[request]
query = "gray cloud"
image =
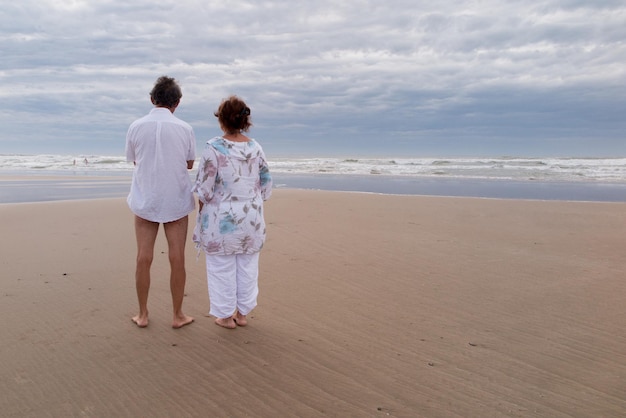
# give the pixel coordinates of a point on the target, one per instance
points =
(354, 77)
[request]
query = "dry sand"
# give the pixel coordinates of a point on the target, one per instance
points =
(370, 306)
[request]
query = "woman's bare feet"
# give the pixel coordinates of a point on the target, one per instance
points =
(240, 319)
(140, 320)
(226, 322)
(181, 321)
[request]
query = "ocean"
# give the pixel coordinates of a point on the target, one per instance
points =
(60, 177)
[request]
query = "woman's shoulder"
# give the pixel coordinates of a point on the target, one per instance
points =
(256, 146)
(221, 145)
(218, 143)
(215, 139)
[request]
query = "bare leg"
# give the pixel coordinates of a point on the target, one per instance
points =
(145, 232)
(176, 234)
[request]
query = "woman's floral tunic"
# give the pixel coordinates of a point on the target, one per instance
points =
(232, 182)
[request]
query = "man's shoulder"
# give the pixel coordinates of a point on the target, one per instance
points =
(182, 122)
(141, 119)
(169, 117)
(161, 117)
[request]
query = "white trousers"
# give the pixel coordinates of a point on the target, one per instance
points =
(233, 283)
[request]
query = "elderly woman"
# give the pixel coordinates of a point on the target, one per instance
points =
(232, 182)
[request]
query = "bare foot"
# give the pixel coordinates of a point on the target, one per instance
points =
(141, 321)
(226, 322)
(240, 319)
(181, 322)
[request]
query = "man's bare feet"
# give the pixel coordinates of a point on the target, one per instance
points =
(240, 319)
(140, 321)
(180, 322)
(226, 322)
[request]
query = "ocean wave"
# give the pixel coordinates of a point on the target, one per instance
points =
(504, 168)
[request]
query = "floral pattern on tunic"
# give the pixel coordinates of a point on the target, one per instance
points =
(232, 182)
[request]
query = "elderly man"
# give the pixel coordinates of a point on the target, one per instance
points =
(163, 148)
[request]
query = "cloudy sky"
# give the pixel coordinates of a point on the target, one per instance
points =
(346, 78)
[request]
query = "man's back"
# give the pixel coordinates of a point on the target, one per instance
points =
(160, 145)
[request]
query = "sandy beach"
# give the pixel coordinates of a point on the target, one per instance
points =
(370, 306)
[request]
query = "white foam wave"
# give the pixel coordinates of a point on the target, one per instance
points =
(505, 168)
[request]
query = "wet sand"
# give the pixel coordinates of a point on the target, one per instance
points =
(370, 305)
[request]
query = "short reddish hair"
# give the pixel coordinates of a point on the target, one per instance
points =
(234, 114)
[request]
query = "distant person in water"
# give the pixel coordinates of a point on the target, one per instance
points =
(232, 182)
(163, 148)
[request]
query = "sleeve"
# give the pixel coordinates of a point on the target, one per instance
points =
(191, 152)
(265, 177)
(204, 186)
(130, 148)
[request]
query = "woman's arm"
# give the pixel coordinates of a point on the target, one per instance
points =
(205, 178)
